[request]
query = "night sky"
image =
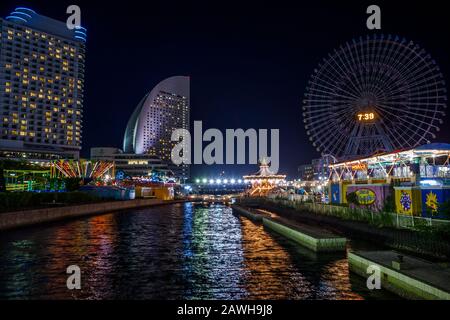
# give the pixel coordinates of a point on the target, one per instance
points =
(249, 62)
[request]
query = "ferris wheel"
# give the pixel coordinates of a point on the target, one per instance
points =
(378, 93)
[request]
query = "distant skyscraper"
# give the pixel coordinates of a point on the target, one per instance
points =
(160, 112)
(41, 86)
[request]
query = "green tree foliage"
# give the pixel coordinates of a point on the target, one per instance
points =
(28, 200)
(352, 198)
(72, 184)
(389, 204)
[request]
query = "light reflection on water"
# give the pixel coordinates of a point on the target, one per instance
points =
(179, 251)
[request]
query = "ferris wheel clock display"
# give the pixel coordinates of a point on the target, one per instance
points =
(378, 93)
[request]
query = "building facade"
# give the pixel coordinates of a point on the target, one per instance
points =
(130, 164)
(164, 109)
(306, 172)
(41, 87)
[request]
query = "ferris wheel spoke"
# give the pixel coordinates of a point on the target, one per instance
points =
(342, 72)
(348, 70)
(353, 65)
(322, 96)
(407, 115)
(393, 136)
(329, 126)
(408, 62)
(323, 126)
(423, 104)
(361, 53)
(407, 132)
(327, 140)
(420, 85)
(361, 62)
(334, 93)
(375, 53)
(321, 112)
(323, 103)
(415, 62)
(380, 61)
(425, 93)
(414, 79)
(328, 114)
(313, 112)
(399, 67)
(407, 111)
(341, 143)
(329, 82)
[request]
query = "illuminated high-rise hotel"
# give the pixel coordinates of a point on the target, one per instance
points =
(164, 109)
(41, 86)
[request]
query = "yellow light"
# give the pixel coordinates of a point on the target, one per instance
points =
(368, 116)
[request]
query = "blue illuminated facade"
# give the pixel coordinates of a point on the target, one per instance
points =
(30, 18)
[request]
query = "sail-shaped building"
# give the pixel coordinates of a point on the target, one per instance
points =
(164, 109)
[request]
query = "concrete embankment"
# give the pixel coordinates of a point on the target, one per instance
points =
(10, 220)
(417, 243)
(248, 213)
(412, 278)
(313, 238)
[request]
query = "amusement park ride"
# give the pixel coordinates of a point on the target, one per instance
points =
(264, 181)
(82, 168)
(375, 93)
(374, 104)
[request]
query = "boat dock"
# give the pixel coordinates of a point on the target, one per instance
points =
(252, 214)
(406, 276)
(313, 238)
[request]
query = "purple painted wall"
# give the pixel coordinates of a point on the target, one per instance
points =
(375, 195)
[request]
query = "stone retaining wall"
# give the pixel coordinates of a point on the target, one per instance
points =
(17, 219)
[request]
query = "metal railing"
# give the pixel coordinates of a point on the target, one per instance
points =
(382, 218)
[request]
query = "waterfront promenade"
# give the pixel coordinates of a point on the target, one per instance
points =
(412, 278)
(10, 220)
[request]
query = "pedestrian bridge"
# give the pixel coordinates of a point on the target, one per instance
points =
(212, 199)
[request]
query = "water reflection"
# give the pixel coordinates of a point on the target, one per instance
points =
(181, 251)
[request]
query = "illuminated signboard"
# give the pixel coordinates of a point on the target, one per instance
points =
(366, 196)
(367, 116)
(139, 162)
(359, 167)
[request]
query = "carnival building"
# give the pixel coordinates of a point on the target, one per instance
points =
(416, 180)
(264, 181)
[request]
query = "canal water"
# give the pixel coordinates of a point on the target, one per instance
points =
(180, 251)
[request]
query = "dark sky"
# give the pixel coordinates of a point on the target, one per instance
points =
(249, 62)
